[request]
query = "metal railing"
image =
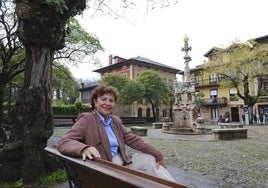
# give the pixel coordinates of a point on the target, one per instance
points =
(208, 82)
(219, 101)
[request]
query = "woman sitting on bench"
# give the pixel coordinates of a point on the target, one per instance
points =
(99, 134)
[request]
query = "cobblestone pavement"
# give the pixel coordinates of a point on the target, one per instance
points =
(234, 163)
(200, 161)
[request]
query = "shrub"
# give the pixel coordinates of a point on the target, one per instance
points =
(56, 177)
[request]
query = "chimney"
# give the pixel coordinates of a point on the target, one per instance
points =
(110, 59)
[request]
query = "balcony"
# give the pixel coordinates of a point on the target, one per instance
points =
(263, 99)
(220, 101)
(207, 83)
(264, 96)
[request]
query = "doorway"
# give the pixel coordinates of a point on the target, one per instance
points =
(234, 114)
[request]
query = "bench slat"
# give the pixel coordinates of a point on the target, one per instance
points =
(102, 174)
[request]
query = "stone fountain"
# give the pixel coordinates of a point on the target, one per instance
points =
(186, 119)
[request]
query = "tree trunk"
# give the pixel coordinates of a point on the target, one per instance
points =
(42, 31)
(37, 110)
(1, 108)
(33, 112)
(31, 121)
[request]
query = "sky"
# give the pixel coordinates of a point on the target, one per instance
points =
(158, 35)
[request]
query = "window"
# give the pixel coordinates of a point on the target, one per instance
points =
(197, 94)
(213, 96)
(148, 111)
(221, 77)
(196, 77)
(214, 113)
(213, 78)
(85, 97)
(233, 94)
(265, 84)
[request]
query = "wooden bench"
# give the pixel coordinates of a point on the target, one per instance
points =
(64, 120)
(140, 131)
(133, 120)
(230, 133)
(102, 174)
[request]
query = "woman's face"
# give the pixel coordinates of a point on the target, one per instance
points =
(105, 104)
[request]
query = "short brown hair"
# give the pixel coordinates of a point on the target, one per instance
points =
(102, 90)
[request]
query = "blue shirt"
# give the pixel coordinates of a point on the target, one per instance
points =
(112, 138)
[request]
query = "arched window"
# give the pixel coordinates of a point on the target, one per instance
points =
(140, 112)
(148, 112)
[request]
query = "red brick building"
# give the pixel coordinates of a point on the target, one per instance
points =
(131, 68)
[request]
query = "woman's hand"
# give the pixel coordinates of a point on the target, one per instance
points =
(91, 153)
(162, 163)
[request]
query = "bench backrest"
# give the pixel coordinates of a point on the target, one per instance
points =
(102, 174)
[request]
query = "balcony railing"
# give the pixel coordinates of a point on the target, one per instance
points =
(263, 99)
(220, 101)
(208, 82)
